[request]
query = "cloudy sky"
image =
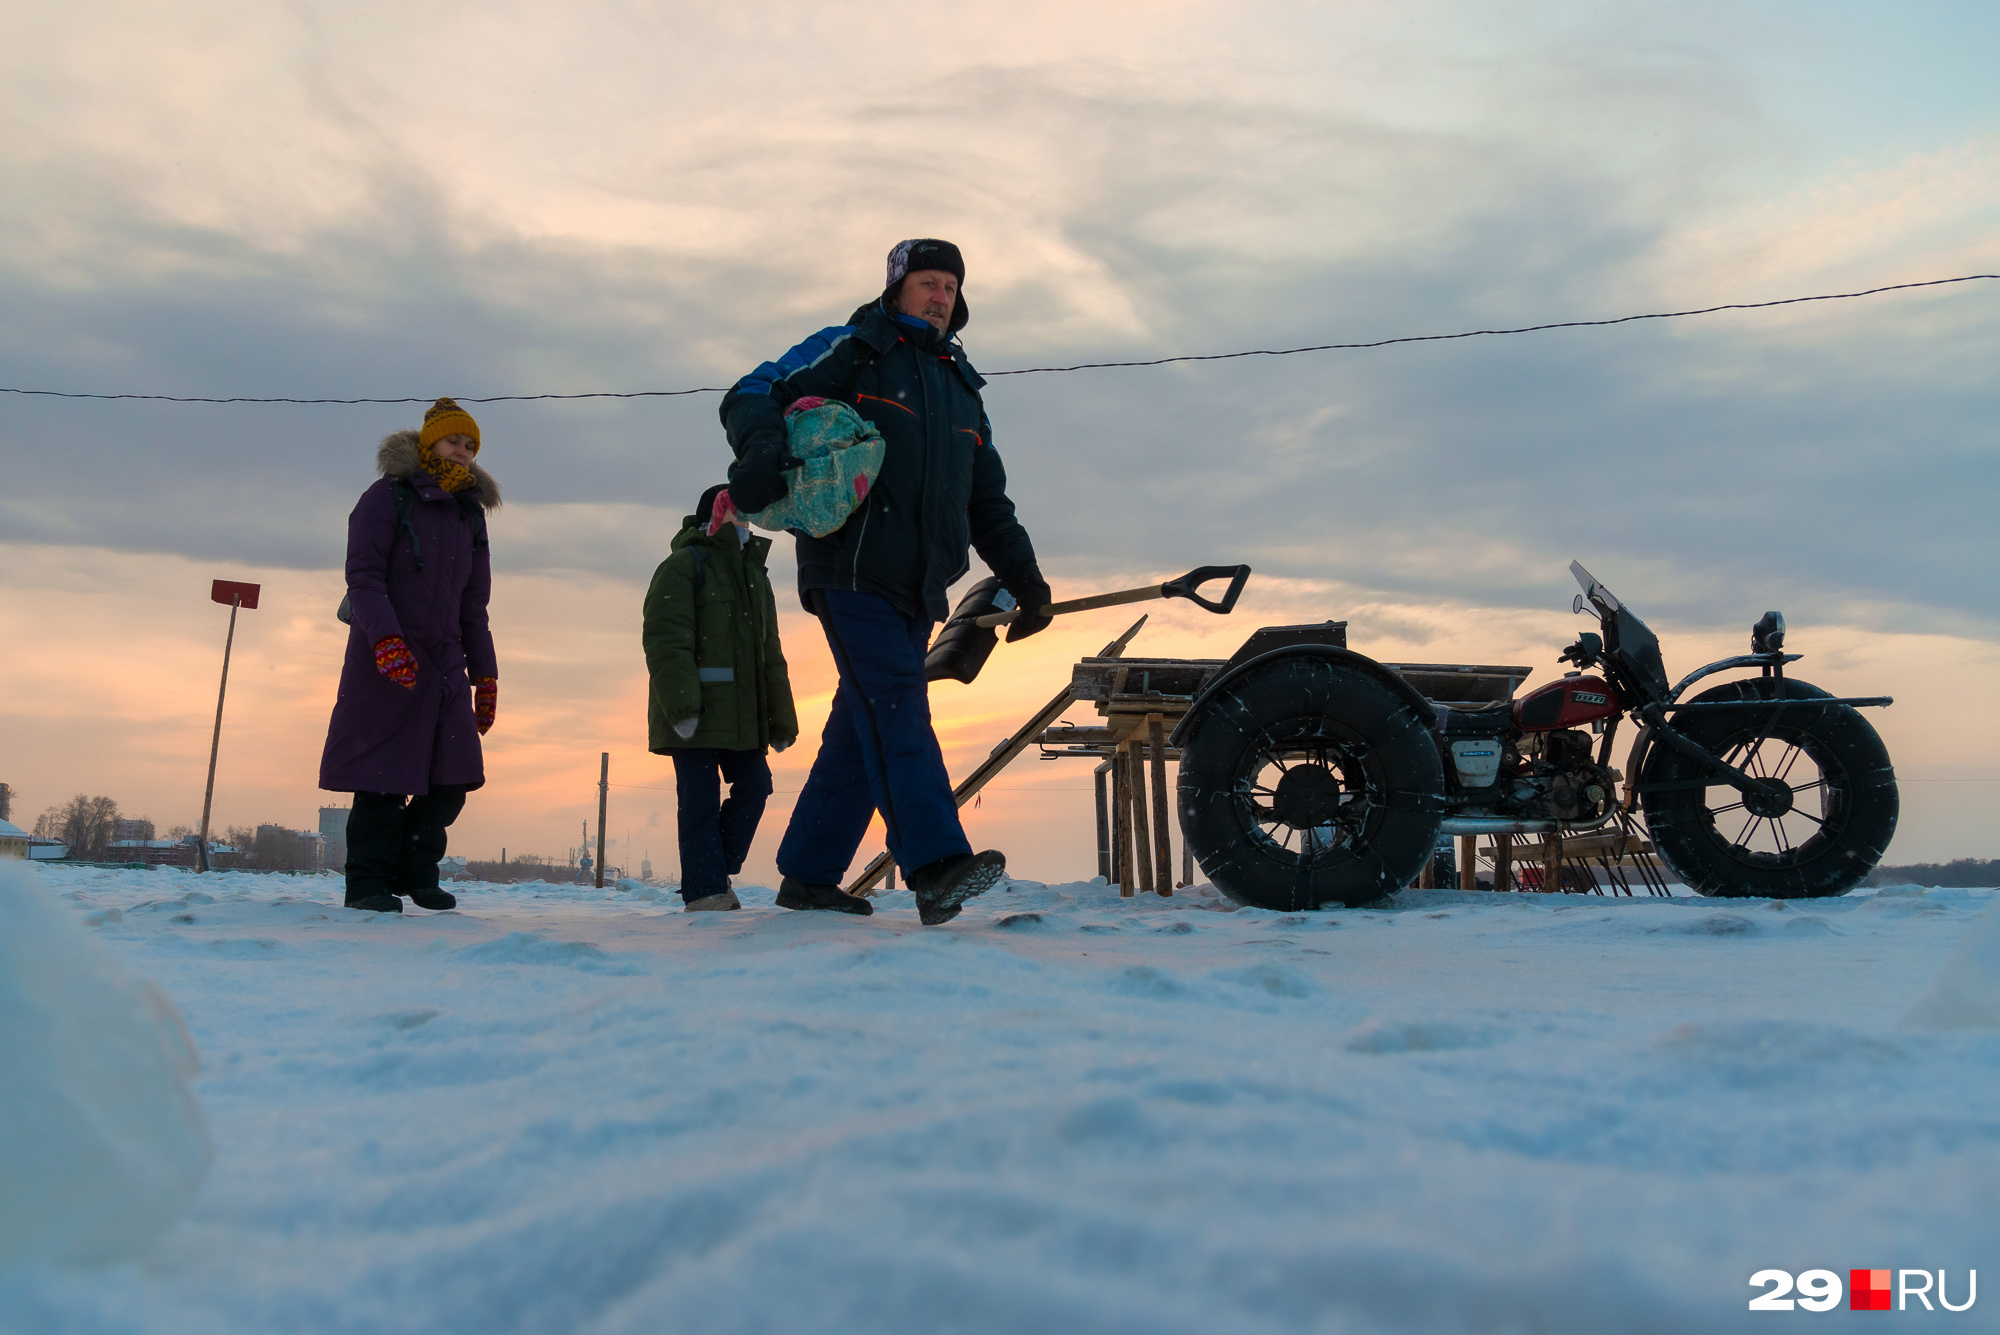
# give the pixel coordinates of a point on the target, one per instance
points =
(408, 199)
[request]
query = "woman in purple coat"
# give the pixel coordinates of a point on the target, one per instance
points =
(419, 686)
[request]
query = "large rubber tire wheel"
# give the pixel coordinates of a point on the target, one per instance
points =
(1820, 840)
(1307, 782)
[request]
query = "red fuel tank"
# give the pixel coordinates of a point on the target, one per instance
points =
(1567, 703)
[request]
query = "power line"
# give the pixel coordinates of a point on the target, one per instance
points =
(1079, 366)
(1484, 333)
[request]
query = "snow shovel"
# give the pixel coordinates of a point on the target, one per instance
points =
(1184, 587)
(966, 640)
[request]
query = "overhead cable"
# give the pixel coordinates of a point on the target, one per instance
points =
(1079, 366)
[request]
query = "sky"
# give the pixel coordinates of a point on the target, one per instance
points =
(376, 200)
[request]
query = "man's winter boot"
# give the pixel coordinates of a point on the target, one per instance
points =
(943, 887)
(797, 894)
(439, 900)
(379, 902)
(709, 903)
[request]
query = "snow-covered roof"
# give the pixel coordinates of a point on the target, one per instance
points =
(8, 830)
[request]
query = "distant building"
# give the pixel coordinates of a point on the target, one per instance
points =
(123, 830)
(13, 840)
(152, 852)
(333, 829)
(47, 850)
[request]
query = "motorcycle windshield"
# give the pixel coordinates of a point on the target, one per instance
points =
(1626, 638)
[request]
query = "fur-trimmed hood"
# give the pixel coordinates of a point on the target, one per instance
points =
(397, 458)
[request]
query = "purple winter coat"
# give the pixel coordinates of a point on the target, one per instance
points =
(384, 738)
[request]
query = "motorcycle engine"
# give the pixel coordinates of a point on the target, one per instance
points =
(1555, 777)
(1525, 776)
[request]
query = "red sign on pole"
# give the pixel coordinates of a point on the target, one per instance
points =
(228, 591)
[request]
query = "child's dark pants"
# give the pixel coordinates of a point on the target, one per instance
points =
(716, 834)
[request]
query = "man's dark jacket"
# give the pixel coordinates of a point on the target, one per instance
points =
(942, 486)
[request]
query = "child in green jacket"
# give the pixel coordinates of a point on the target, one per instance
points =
(719, 691)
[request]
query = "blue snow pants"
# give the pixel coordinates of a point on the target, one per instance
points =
(878, 752)
(715, 835)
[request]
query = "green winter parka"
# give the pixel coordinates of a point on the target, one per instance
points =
(711, 638)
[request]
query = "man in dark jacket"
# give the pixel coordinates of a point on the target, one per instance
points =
(878, 583)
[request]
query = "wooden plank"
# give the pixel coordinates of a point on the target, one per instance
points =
(1101, 678)
(1163, 851)
(1121, 794)
(1105, 820)
(1468, 862)
(1142, 842)
(1069, 735)
(1503, 862)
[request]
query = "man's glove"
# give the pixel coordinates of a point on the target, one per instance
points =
(757, 479)
(1032, 592)
(779, 746)
(394, 660)
(485, 700)
(685, 728)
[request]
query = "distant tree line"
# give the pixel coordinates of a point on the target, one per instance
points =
(85, 824)
(89, 825)
(1959, 872)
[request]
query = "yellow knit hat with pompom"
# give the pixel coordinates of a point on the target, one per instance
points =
(446, 418)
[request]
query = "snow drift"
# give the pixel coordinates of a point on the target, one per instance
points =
(102, 1144)
(1966, 994)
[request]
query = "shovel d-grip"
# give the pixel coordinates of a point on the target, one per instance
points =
(1184, 587)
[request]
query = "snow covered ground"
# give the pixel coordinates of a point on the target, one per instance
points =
(560, 1109)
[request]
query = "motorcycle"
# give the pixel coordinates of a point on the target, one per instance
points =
(1313, 774)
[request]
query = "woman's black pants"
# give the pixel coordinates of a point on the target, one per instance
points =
(394, 842)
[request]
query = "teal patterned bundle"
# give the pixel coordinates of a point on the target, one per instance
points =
(842, 455)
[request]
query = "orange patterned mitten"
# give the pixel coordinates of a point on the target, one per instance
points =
(394, 660)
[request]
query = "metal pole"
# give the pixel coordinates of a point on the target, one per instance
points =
(215, 743)
(603, 801)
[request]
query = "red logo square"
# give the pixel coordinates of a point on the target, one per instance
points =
(1868, 1291)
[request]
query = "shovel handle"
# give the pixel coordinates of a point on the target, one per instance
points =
(1097, 600)
(1184, 587)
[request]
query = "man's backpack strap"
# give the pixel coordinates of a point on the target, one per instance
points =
(700, 555)
(863, 359)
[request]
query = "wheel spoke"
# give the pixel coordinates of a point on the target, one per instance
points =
(1744, 833)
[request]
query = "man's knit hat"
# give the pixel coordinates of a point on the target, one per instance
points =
(446, 418)
(924, 253)
(915, 256)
